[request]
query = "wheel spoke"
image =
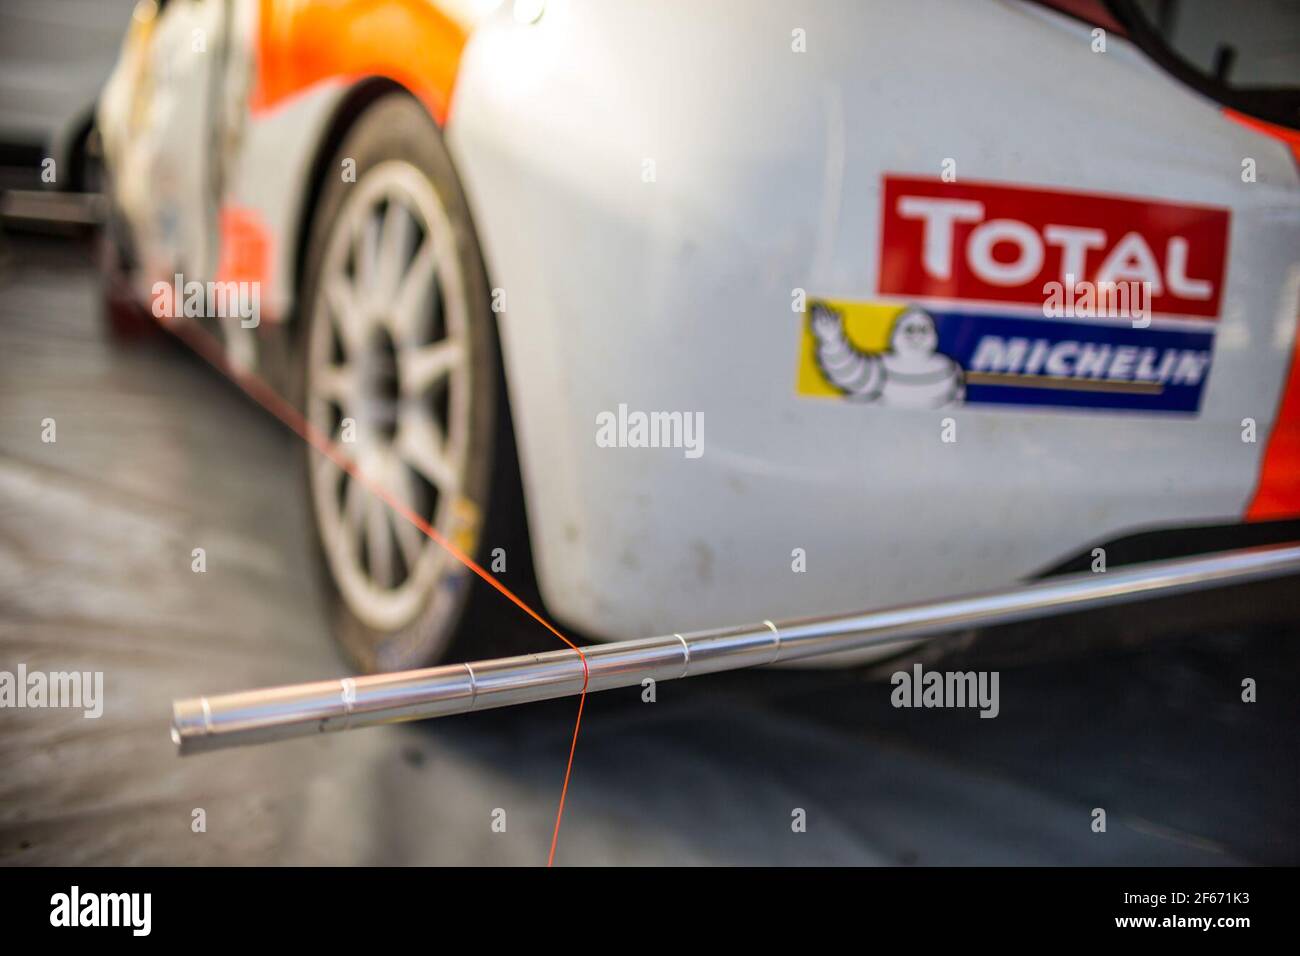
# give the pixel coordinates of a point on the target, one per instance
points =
(349, 318)
(367, 258)
(409, 538)
(421, 445)
(420, 368)
(379, 542)
(336, 383)
(410, 307)
(394, 247)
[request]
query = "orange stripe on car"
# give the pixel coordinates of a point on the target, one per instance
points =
(1287, 135)
(1278, 493)
(411, 42)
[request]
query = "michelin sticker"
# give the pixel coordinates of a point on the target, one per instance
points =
(974, 275)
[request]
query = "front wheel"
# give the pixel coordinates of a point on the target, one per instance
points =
(400, 371)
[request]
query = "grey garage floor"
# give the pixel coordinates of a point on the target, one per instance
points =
(155, 455)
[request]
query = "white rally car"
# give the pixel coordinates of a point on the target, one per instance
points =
(788, 307)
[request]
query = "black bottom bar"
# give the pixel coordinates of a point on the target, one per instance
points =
(376, 908)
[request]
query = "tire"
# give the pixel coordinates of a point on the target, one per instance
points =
(397, 338)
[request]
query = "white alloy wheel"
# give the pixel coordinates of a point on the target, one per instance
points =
(388, 378)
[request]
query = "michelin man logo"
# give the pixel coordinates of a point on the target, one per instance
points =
(912, 373)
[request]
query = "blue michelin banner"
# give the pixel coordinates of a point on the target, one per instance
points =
(1032, 361)
(909, 356)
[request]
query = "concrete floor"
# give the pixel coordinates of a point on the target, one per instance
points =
(156, 455)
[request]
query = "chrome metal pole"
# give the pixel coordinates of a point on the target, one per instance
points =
(207, 723)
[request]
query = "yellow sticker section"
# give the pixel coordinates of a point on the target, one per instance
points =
(466, 519)
(867, 325)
